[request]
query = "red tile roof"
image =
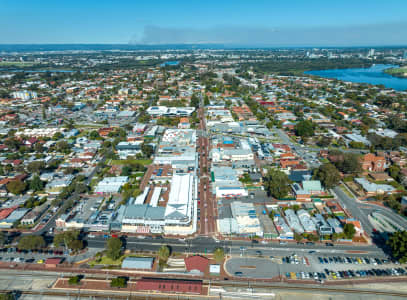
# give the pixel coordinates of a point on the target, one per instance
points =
(196, 262)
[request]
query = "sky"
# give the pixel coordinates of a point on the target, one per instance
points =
(238, 22)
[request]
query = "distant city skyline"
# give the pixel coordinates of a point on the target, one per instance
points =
(243, 23)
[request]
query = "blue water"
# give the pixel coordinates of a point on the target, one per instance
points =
(372, 75)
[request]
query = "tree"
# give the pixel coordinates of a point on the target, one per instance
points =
(36, 166)
(3, 238)
(312, 238)
(68, 239)
(57, 136)
(329, 175)
(348, 162)
(38, 148)
(147, 150)
(36, 184)
(298, 237)
(81, 188)
(119, 282)
(7, 296)
(74, 280)
(304, 128)
(164, 253)
(63, 146)
(16, 187)
(206, 100)
(394, 171)
(126, 171)
(398, 245)
(277, 183)
(113, 248)
(94, 135)
(76, 245)
(349, 230)
(30, 242)
(219, 254)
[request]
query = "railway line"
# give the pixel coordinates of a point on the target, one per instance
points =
(78, 293)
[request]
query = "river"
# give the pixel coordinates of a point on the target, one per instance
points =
(373, 75)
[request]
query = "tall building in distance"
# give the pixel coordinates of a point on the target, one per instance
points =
(405, 54)
(371, 53)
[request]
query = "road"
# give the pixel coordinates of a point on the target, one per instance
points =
(353, 207)
(207, 203)
(207, 245)
(362, 210)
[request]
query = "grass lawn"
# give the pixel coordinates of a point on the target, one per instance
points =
(95, 125)
(107, 261)
(131, 161)
(110, 262)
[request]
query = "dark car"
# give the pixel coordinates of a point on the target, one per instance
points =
(238, 274)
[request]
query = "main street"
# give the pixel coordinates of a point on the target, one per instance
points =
(207, 203)
(207, 245)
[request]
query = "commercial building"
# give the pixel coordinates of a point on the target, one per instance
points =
(159, 111)
(111, 185)
(126, 149)
(177, 218)
(181, 207)
(246, 218)
(306, 221)
(293, 221)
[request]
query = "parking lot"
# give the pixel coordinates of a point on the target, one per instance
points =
(24, 256)
(313, 267)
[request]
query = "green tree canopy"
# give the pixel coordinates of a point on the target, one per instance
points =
(277, 183)
(113, 248)
(398, 245)
(16, 187)
(328, 174)
(67, 239)
(30, 242)
(349, 230)
(119, 282)
(36, 166)
(304, 128)
(36, 184)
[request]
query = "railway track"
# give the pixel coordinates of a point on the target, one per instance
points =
(78, 294)
(318, 289)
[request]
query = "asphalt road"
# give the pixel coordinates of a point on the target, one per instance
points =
(207, 245)
(353, 207)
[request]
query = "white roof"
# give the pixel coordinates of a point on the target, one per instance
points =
(180, 198)
(142, 197)
(155, 197)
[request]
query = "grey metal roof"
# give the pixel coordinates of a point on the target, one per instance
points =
(155, 213)
(138, 263)
(135, 211)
